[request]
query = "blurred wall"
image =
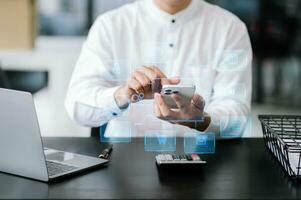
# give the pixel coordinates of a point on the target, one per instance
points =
(63, 26)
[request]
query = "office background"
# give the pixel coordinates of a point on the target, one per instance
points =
(62, 25)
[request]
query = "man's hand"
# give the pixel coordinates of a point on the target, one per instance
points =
(190, 113)
(142, 82)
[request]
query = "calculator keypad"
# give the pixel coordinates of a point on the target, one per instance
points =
(179, 159)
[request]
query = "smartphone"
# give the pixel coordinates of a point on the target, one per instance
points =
(186, 91)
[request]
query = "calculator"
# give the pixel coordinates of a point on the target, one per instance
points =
(173, 159)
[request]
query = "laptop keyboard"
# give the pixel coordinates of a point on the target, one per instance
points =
(55, 168)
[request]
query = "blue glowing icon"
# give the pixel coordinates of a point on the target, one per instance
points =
(233, 126)
(156, 52)
(233, 60)
(116, 68)
(239, 92)
(199, 143)
(117, 131)
(201, 139)
(160, 140)
(120, 69)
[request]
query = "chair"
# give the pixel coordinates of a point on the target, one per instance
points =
(4, 83)
(98, 132)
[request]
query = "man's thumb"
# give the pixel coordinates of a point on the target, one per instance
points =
(170, 81)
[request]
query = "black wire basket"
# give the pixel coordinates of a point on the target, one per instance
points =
(282, 136)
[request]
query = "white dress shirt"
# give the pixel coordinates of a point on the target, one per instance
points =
(203, 44)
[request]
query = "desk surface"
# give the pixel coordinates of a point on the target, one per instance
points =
(239, 169)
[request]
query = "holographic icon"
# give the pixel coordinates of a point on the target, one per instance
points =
(120, 69)
(156, 52)
(236, 92)
(116, 68)
(117, 131)
(233, 126)
(159, 141)
(162, 139)
(233, 60)
(200, 63)
(239, 92)
(152, 123)
(199, 143)
(201, 139)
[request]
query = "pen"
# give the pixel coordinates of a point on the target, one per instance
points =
(105, 154)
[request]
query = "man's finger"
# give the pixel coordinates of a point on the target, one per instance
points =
(166, 112)
(133, 96)
(135, 85)
(149, 72)
(157, 111)
(198, 101)
(181, 102)
(164, 79)
(170, 81)
(155, 75)
(156, 86)
(158, 72)
(143, 80)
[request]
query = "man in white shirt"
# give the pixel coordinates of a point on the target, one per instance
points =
(177, 41)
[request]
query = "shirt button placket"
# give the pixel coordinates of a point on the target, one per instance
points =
(171, 42)
(173, 21)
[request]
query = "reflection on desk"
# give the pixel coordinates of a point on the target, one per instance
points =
(241, 168)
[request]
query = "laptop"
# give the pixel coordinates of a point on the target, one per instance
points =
(21, 148)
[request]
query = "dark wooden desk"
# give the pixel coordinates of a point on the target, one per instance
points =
(239, 169)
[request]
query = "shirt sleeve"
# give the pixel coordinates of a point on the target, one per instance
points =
(90, 97)
(230, 103)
